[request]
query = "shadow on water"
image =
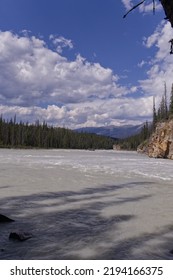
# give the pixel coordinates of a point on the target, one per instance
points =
(70, 225)
(162, 250)
(5, 187)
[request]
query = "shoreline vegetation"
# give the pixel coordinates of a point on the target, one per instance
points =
(162, 116)
(21, 135)
(41, 136)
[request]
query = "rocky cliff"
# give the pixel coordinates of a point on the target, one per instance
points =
(160, 144)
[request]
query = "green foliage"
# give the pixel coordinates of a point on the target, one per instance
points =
(132, 142)
(23, 135)
(163, 113)
(171, 104)
(154, 115)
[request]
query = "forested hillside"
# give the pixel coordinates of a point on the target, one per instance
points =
(132, 142)
(24, 135)
(161, 114)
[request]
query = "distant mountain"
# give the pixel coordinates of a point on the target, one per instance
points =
(113, 131)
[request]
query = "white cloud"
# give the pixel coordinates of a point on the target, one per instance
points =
(142, 63)
(61, 43)
(96, 113)
(39, 83)
(128, 4)
(133, 89)
(145, 8)
(33, 74)
(161, 66)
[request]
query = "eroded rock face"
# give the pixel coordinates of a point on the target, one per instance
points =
(116, 147)
(160, 145)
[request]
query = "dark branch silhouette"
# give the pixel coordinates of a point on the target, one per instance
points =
(171, 48)
(134, 7)
(168, 9)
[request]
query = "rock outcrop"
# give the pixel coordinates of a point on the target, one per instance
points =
(5, 219)
(160, 144)
(116, 147)
(21, 236)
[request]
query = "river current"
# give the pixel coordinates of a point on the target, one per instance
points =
(86, 205)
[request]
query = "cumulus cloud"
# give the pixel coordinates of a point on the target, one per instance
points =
(95, 113)
(33, 74)
(142, 63)
(37, 82)
(128, 4)
(145, 8)
(160, 39)
(61, 43)
(161, 66)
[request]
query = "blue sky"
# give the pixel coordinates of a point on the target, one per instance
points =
(78, 63)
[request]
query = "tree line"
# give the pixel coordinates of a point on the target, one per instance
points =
(25, 135)
(165, 109)
(37, 135)
(163, 113)
(132, 142)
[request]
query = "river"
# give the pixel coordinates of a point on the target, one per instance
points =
(86, 205)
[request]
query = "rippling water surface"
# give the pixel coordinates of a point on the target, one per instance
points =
(86, 205)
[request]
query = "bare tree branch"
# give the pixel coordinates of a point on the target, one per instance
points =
(134, 7)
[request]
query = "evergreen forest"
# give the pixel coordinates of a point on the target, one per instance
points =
(162, 114)
(24, 135)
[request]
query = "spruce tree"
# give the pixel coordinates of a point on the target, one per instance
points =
(162, 108)
(154, 114)
(171, 104)
(165, 100)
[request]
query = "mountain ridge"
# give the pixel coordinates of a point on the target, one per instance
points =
(112, 131)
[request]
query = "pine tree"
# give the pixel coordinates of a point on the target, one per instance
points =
(154, 114)
(165, 100)
(163, 110)
(171, 104)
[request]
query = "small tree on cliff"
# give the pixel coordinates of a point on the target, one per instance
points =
(171, 104)
(154, 115)
(163, 109)
(162, 113)
(165, 100)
